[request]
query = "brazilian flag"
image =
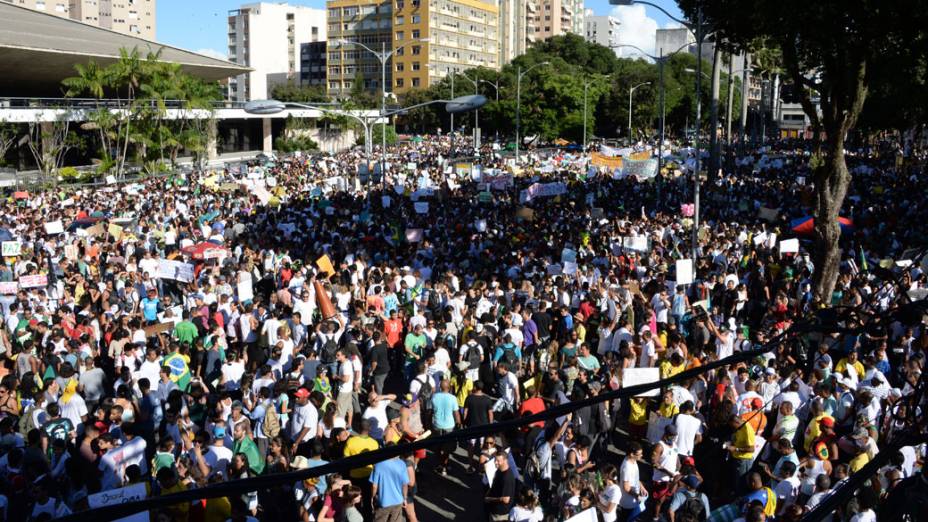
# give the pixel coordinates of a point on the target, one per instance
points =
(180, 371)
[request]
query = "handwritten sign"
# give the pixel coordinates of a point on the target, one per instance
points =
(634, 376)
(12, 248)
(542, 190)
(176, 270)
(325, 265)
(54, 227)
(121, 496)
(684, 271)
(789, 246)
(33, 281)
(8, 287)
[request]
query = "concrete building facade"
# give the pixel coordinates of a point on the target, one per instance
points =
(132, 17)
(602, 30)
(369, 22)
(312, 63)
(516, 31)
(267, 37)
(551, 18)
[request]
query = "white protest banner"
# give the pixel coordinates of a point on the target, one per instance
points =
(214, 253)
(789, 246)
(413, 235)
(121, 496)
(640, 169)
(760, 239)
(684, 271)
(422, 207)
(499, 180)
(568, 255)
(111, 180)
(263, 195)
(176, 270)
(570, 268)
(245, 290)
(8, 287)
(542, 190)
(554, 269)
(771, 240)
(71, 252)
(635, 243)
(481, 225)
(271, 181)
(587, 515)
(54, 227)
(12, 248)
(634, 376)
(33, 281)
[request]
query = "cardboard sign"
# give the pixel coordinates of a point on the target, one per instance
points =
(413, 235)
(121, 496)
(422, 207)
(54, 227)
(155, 329)
(115, 231)
(768, 214)
(789, 246)
(176, 270)
(33, 281)
(70, 252)
(245, 290)
(96, 230)
(8, 287)
(12, 248)
(634, 376)
(587, 515)
(684, 271)
(325, 265)
(526, 214)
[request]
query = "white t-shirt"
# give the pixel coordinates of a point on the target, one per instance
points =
(232, 372)
(218, 459)
(787, 490)
(377, 415)
(628, 473)
(612, 494)
(864, 516)
(520, 514)
(74, 409)
(687, 429)
(304, 416)
(509, 387)
(346, 368)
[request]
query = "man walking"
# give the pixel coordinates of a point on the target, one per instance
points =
(389, 487)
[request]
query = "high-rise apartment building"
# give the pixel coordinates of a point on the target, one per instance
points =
(551, 18)
(267, 37)
(462, 34)
(516, 28)
(369, 22)
(133, 17)
(602, 30)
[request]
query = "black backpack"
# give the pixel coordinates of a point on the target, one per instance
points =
(692, 509)
(328, 351)
(473, 356)
(509, 355)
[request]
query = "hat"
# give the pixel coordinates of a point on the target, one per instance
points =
(691, 481)
(302, 393)
(300, 462)
(69, 390)
(770, 371)
(825, 359)
(827, 422)
(757, 403)
(219, 432)
(596, 386)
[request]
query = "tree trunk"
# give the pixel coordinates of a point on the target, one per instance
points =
(831, 182)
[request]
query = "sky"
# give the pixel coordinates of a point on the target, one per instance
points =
(200, 25)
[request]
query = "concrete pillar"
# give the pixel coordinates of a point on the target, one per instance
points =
(268, 141)
(212, 140)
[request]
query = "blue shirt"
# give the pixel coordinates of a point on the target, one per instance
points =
(150, 309)
(501, 350)
(390, 476)
(443, 407)
(321, 485)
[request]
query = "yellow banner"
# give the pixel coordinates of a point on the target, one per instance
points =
(601, 160)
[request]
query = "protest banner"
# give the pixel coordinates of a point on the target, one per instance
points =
(71, 252)
(214, 253)
(640, 169)
(115, 231)
(525, 214)
(155, 329)
(8, 287)
(499, 181)
(684, 271)
(634, 376)
(12, 248)
(481, 225)
(601, 160)
(54, 227)
(325, 265)
(768, 214)
(33, 281)
(245, 290)
(687, 209)
(175, 270)
(542, 190)
(635, 243)
(463, 169)
(124, 495)
(587, 515)
(422, 207)
(96, 230)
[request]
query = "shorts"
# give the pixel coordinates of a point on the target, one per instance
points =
(343, 404)
(418, 454)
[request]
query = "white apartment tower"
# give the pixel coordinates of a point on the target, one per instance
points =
(602, 30)
(267, 38)
(132, 17)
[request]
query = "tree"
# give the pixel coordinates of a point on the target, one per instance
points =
(828, 49)
(49, 143)
(9, 134)
(291, 92)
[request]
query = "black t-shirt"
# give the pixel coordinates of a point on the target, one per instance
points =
(543, 322)
(504, 485)
(478, 409)
(379, 356)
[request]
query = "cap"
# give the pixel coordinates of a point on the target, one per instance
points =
(300, 462)
(691, 481)
(827, 422)
(302, 393)
(596, 385)
(757, 403)
(219, 432)
(770, 371)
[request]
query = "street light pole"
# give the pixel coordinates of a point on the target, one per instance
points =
(519, 74)
(586, 85)
(630, 92)
(383, 111)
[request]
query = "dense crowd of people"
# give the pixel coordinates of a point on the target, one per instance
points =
(167, 334)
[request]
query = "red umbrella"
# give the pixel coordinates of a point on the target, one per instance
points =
(205, 250)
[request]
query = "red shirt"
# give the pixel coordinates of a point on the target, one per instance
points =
(393, 329)
(531, 407)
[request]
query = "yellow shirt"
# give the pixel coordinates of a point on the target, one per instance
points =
(581, 332)
(218, 509)
(858, 367)
(357, 445)
(858, 462)
(462, 390)
(669, 370)
(743, 438)
(813, 430)
(639, 413)
(668, 410)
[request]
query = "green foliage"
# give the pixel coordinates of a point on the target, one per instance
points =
(294, 144)
(379, 131)
(292, 92)
(72, 175)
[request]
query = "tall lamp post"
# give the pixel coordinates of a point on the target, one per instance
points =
(661, 59)
(631, 91)
(384, 57)
(519, 74)
(696, 27)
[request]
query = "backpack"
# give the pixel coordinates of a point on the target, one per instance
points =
(425, 392)
(26, 422)
(328, 351)
(271, 425)
(534, 466)
(509, 355)
(692, 509)
(473, 356)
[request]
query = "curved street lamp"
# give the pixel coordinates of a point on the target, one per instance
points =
(519, 74)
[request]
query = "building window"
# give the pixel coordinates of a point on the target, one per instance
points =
(400, 35)
(415, 82)
(399, 4)
(415, 33)
(399, 82)
(416, 19)
(400, 67)
(416, 50)
(399, 20)
(416, 66)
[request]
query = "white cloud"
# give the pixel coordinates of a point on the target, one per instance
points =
(635, 28)
(212, 53)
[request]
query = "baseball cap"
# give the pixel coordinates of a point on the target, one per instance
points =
(219, 432)
(691, 481)
(827, 422)
(757, 403)
(302, 393)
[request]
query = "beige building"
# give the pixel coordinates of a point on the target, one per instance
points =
(548, 18)
(132, 17)
(516, 31)
(369, 22)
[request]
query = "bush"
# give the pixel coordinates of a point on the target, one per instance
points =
(72, 175)
(302, 144)
(375, 132)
